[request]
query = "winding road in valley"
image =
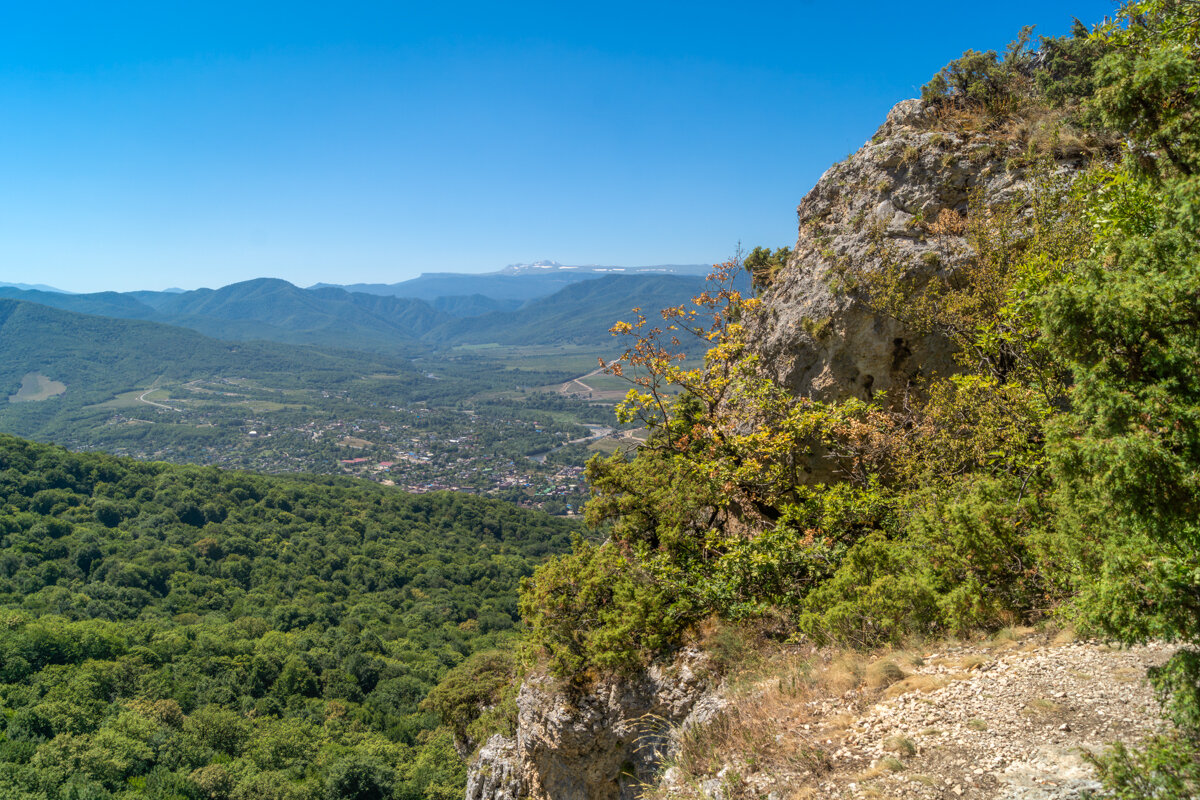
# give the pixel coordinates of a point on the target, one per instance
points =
(142, 398)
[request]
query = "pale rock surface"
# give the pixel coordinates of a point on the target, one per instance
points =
(881, 203)
(605, 743)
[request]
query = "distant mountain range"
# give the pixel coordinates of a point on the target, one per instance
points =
(551, 305)
(41, 287)
(580, 313)
(521, 282)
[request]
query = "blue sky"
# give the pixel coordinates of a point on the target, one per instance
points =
(147, 145)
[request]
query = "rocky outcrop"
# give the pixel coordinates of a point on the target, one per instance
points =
(604, 743)
(900, 199)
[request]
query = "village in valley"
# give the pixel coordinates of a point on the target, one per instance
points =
(528, 449)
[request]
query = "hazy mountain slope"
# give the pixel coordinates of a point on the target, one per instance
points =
(96, 356)
(35, 286)
(108, 304)
(276, 310)
(496, 285)
(473, 305)
(578, 314)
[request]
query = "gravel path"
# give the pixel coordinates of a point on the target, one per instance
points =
(1005, 725)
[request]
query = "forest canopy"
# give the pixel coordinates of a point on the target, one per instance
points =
(186, 632)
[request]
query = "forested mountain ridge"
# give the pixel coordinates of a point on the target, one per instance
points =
(578, 312)
(98, 355)
(184, 632)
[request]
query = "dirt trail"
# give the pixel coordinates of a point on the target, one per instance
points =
(1007, 721)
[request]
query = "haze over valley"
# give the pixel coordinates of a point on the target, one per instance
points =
(476, 383)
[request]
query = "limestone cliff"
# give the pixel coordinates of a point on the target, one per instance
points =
(604, 743)
(902, 197)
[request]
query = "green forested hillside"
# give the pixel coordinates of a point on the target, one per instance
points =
(100, 357)
(108, 304)
(183, 632)
(96, 356)
(581, 313)
(276, 310)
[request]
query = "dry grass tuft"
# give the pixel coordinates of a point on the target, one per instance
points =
(768, 719)
(884, 673)
(1065, 636)
(1042, 707)
(843, 673)
(1007, 638)
(973, 662)
(1027, 126)
(922, 683)
(949, 223)
(901, 746)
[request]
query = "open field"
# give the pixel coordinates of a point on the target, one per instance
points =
(569, 358)
(36, 386)
(124, 400)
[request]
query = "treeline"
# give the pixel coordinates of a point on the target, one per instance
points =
(184, 632)
(1055, 473)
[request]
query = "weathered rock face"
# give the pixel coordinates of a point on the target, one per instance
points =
(890, 201)
(604, 744)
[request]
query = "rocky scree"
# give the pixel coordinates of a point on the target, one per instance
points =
(1003, 721)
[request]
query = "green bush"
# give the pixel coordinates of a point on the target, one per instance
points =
(1067, 66)
(763, 265)
(595, 611)
(477, 698)
(1166, 765)
(960, 564)
(360, 778)
(974, 77)
(1059, 73)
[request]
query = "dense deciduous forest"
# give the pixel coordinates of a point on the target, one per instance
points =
(187, 632)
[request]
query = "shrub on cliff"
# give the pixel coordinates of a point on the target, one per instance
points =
(478, 697)
(596, 611)
(1048, 81)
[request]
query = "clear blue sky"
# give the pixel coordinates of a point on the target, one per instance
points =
(147, 145)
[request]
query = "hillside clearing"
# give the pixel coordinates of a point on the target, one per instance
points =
(36, 386)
